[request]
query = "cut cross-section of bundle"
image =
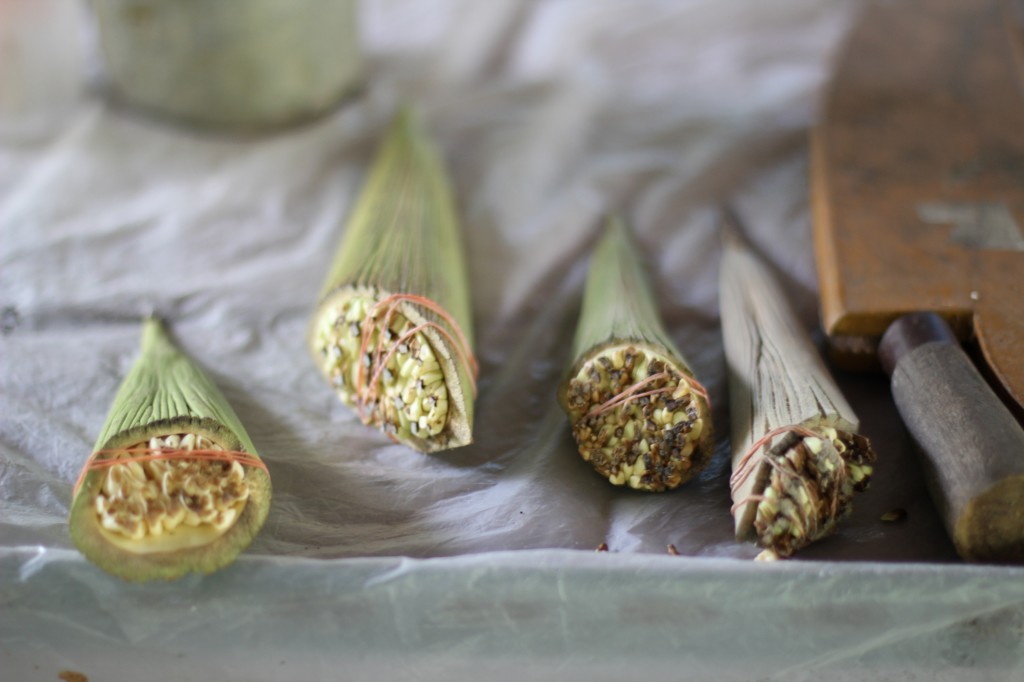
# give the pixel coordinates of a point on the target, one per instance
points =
(638, 414)
(174, 484)
(392, 333)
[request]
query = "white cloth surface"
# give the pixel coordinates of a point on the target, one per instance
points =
(549, 114)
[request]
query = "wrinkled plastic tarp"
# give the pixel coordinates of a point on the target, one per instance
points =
(378, 560)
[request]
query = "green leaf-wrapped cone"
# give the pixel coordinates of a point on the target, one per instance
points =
(191, 492)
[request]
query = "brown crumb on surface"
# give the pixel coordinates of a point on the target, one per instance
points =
(894, 516)
(603, 547)
(72, 676)
(671, 549)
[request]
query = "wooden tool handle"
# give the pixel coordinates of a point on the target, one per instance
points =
(972, 446)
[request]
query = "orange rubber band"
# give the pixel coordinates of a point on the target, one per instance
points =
(365, 392)
(699, 389)
(748, 462)
(629, 393)
(748, 498)
(408, 335)
(153, 454)
(624, 395)
(440, 312)
(444, 315)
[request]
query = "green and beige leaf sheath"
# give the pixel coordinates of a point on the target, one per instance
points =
(638, 414)
(796, 456)
(393, 333)
(174, 484)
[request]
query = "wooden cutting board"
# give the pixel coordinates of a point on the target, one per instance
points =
(918, 180)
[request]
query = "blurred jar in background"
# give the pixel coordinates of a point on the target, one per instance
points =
(240, 64)
(42, 74)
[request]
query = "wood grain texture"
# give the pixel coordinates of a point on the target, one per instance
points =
(918, 179)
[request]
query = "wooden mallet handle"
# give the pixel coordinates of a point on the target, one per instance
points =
(972, 446)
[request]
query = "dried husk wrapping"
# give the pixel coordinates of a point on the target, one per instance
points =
(779, 386)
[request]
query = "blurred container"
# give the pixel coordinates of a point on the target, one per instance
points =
(231, 63)
(42, 75)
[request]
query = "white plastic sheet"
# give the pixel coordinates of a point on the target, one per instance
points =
(380, 562)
